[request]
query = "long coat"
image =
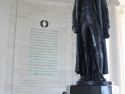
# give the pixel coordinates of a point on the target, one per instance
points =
(100, 7)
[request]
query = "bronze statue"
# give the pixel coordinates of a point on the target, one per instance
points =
(91, 24)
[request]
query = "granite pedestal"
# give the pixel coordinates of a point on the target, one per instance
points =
(92, 87)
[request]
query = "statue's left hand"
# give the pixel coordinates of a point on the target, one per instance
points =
(106, 31)
(75, 29)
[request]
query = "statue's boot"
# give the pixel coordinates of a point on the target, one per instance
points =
(99, 62)
(102, 77)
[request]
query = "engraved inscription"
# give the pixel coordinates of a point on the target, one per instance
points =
(43, 55)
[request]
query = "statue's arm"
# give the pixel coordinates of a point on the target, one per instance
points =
(75, 17)
(105, 17)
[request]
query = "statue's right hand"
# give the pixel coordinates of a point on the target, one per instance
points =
(75, 29)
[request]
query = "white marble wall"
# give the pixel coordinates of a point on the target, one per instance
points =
(4, 22)
(23, 16)
(10, 47)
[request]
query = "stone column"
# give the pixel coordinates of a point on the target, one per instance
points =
(113, 44)
(122, 45)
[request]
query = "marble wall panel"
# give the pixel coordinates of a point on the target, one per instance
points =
(10, 47)
(4, 22)
(23, 17)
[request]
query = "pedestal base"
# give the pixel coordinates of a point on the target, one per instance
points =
(84, 88)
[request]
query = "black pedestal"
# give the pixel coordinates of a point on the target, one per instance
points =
(90, 87)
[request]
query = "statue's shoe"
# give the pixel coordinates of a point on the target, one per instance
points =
(100, 77)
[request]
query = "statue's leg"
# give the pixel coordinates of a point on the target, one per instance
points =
(99, 61)
(84, 40)
(96, 37)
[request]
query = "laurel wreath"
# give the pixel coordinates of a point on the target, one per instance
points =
(47, 24)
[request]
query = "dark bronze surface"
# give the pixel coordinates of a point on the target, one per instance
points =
(91, 24)
(90, 89)
(93, 83)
